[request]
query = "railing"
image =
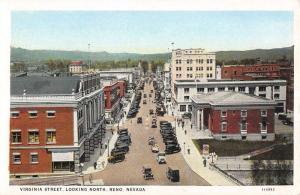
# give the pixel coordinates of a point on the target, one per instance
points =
(233, 179)
(273, 166)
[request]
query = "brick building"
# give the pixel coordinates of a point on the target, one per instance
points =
(56, 123)
(114, 91)
(232, 115)
(251, 72)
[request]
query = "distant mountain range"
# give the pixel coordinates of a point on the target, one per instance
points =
(37, 56)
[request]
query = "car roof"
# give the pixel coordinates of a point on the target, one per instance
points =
(173, 168)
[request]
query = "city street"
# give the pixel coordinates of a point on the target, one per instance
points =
(129, 172)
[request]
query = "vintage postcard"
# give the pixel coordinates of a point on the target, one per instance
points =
(151, 101)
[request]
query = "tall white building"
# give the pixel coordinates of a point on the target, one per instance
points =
(192, 64)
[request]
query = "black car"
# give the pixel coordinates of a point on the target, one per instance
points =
(173, 174)
(123, 131)
(172, 148)
(187, 115)
(122, 147)
(139, 120)
(171, 142)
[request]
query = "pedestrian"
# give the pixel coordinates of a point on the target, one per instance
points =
(185, 132)
(95, 165)
(182, 124)
(191, 126)
(188, 150)
(204, 162)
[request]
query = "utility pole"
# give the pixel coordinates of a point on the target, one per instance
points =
(89, 45)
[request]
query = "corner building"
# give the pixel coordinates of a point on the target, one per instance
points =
(233, 115)
(55, 123)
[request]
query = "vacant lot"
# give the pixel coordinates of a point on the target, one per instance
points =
(231, 147)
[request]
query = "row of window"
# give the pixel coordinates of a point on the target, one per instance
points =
(243, 127)
(263, 113)
(208, 75)
(198, 61)
(33, 136)
(33, 157)
(33, 114)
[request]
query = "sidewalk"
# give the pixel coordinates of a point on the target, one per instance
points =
(195, 159)
(104, 153)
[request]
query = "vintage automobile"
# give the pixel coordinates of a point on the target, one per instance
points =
(161, 158)
(187, 115)
(147, 172)
(123, 131)
(155, 148)
(139, 120)
(173, 174)
(172, 148)
(151, 141)
(151, 111)
(116, 157)
(145, 95)
(144, 101)
(153, 125)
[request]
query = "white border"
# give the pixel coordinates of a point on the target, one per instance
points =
(6, 6)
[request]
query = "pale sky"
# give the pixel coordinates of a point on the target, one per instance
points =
(151, 31)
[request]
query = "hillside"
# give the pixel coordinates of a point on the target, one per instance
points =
(36, 56)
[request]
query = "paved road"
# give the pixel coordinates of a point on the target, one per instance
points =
(129, 172)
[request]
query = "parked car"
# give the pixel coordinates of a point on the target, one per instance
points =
(147, 172)
(161, 158)
(139, 120)
(145, 95)
(187, 115)
(155, 148)
(123, 131)
(116, 157)
(173, 174)
(122, 147)
(172, 148)
(144, 101)
(282, 116)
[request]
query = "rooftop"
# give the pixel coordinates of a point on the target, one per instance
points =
(220, 81)
(38, 85)
(230, 98)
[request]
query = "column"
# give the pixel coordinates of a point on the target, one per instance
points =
(202, 117)
(246, 89)
(198, 120)
(75, 127)
(76, 161)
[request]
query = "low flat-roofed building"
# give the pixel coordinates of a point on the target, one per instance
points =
(234, 115)
(270, 89)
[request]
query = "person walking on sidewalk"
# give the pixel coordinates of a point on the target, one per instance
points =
(95, 165)
(204, 162)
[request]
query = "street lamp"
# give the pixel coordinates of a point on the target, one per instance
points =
(107, 147)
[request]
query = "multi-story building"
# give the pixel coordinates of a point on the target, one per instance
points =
(192, 64)
(270, 89)
(77, 67)
(251, 72)
(114, 91)
(234, 115)
(131, 75)
(55, 123)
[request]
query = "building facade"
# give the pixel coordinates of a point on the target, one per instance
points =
(191, 64)
(56, 123)
(234, 115)
(77, 67)
(114, 91)
(251, 72)
(270, 89)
